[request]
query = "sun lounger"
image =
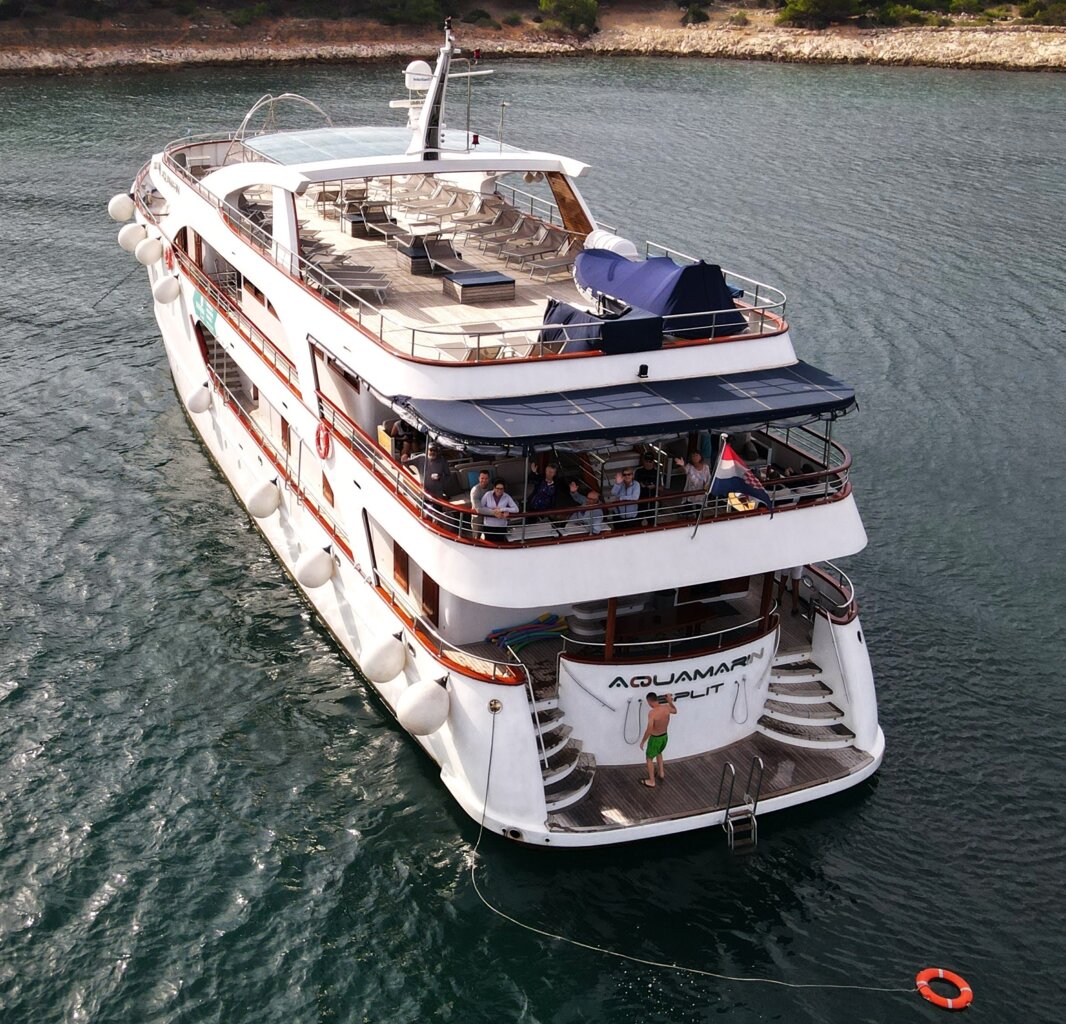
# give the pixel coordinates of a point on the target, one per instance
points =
(376, 219)
(557, 264)
(442, 256)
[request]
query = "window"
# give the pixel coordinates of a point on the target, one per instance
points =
(254, 291)
(430, 599)
(327, 490)
(286, 437)
(401, 567)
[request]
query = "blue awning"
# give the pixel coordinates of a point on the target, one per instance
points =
(644, 408)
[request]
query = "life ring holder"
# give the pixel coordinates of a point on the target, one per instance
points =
(323, 442)
(959, 1002)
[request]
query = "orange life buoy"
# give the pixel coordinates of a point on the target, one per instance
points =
(959, 1002)
(323, 442)
(168, 256)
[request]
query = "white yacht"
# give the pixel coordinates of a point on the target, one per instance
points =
(526, 470)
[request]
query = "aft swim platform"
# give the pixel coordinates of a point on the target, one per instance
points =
(618, 800)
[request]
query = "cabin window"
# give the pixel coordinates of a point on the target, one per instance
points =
(430, 599)
(401, 567)
(327, 490)
(254, 291)
(286, 437)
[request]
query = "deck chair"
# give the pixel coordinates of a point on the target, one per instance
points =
(543, 241)
(555, 242)
(505, 216)
(442, 256)
(556, 264)
(421, 202)
(376, 219)
(526, 227)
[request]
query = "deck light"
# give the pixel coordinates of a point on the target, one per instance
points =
(642, 371)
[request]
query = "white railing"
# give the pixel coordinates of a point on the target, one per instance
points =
(516, 338)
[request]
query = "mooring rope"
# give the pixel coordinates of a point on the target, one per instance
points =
(681, 968)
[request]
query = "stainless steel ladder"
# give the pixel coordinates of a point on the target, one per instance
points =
(740, 825)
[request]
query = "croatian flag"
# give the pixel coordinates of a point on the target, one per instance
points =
(731, 475)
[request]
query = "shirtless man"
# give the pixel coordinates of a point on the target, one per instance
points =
(659, 712)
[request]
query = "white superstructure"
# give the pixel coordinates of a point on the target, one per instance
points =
(336, 302)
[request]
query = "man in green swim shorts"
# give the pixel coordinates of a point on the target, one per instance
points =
(659, 711)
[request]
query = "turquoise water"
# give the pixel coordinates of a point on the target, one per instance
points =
(205, 817)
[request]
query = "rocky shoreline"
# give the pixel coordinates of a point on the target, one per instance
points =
(1016, 48)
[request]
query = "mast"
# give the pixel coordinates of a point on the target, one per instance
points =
(427, 132)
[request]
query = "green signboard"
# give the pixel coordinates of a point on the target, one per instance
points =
(205, 312)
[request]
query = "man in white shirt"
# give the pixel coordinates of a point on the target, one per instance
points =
(497, 507)
(590, 518)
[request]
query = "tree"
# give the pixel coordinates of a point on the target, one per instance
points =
(576, 15)
(817, 13)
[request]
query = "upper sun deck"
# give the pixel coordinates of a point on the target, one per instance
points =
(387, 252)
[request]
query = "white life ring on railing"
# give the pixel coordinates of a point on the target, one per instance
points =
(323, 442)
(169, 260)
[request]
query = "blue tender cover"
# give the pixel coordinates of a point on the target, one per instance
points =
(636, 330)
(660, 286)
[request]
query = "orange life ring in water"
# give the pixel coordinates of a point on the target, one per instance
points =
(168, 256)
(959, 1002)
(323, 442)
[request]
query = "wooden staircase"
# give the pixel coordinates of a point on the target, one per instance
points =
(566, 770)
(798, 709)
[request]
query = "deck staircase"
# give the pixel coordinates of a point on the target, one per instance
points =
(224, 365)
(567, 771)
(799, 709)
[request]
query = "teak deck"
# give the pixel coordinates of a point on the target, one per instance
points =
(617, 798)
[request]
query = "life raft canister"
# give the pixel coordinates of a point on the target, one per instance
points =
(323, 442)
(959, 1002)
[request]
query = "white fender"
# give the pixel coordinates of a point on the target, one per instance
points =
(130, 235)
(314, 567)
(199, 399)
(264, 501)
(120, 208)
(166, 290)
(423, 708)
(148, 251)
(383, 660)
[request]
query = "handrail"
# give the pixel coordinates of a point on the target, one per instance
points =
(453, 521)
(533, 709)
(561, 663)
(226, 305)
(498, 671)
(756, 761)
(651, 645)
(281, 462)
(833, 577)
(727, 767)
(421, 343)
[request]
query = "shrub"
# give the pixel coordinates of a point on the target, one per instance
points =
(899, 14)
(1032, 9)
(244, 16)
(512, 19)
(694, 15)
(476, 15)
(817, 13)
(537, 19)
(966, 7)
(576, 15)
(1053, 14)
(938, 21)
(407, 12)
(739, 18)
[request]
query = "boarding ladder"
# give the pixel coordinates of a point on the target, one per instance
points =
(741, 828)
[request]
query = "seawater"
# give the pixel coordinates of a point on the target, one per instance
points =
(203, 814)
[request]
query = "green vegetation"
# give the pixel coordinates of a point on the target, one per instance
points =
(557, 15)
(572, 15)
